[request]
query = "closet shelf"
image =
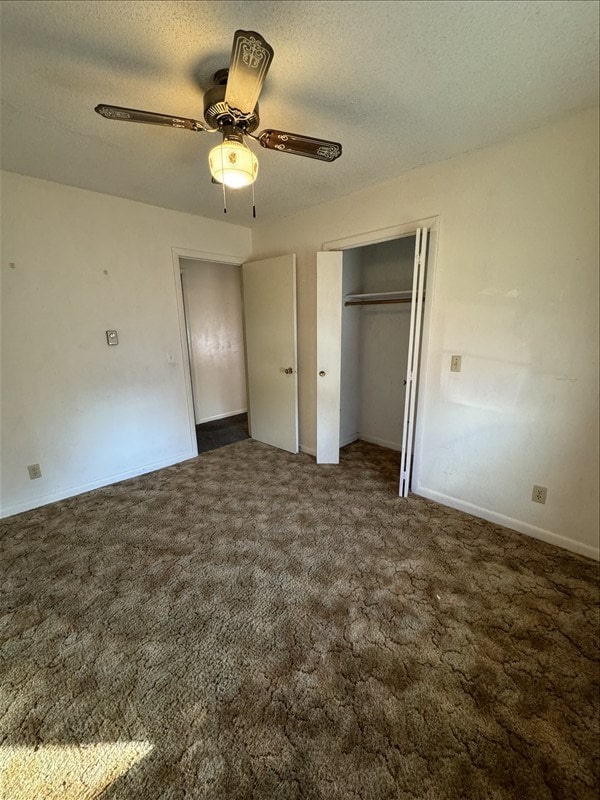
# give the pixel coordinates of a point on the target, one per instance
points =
(372, 298)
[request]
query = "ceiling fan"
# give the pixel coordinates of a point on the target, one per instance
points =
(231, 109)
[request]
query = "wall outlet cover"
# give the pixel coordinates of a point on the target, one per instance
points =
(34, 471)
(538, 494)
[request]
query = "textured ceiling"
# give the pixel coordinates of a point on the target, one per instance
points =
(399, 84)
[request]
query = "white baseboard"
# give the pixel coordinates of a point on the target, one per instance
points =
(221, 416)
(509, 522)
(72, 491)
(349, 440)
(381, 442)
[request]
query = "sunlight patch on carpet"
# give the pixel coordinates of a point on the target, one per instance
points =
(65, 772)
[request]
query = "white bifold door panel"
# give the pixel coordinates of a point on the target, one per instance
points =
(412, 369)
(271, 350)
(329, 347)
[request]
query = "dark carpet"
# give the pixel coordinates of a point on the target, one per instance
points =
(251, 626)
(219, 432)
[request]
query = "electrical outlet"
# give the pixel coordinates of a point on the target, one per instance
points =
(539, 494)
(34, 471)
(455, 363)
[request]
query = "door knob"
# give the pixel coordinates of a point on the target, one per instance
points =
(322, 373)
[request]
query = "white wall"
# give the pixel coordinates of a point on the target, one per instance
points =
(516, 293)
(385, 267)
(84, 262)
(213, 304)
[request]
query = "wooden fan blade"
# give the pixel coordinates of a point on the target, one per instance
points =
(251, 58)
(149, 117)
(300, 145)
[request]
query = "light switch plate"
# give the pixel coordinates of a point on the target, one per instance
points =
(112, 337)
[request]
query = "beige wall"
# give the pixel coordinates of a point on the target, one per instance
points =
(84, 263)
(516, 293)
(213, 306)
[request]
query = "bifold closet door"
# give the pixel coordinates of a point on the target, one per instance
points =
(329, 348)
(412, 369)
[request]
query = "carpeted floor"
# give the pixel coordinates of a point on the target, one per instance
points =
(248, 625)
(219, 432)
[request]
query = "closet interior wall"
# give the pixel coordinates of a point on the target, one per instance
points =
(375, 343)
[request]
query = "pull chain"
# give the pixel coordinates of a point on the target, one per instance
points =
(223, 183)
(253, 205)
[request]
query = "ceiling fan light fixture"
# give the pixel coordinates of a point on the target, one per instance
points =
(231, 108)
(233, 163)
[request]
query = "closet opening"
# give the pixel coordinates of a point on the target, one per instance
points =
(213, 312)
(376, 311)
(370, 303)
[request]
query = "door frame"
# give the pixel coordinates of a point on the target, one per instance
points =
(195, 255)
(400, 232)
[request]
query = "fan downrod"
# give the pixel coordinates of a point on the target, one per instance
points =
(220, 77)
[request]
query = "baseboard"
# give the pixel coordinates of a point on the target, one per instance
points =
(221, 416)
(509, 522)
(72, 491)
(308, 450)
(349, 440)
(381, 442)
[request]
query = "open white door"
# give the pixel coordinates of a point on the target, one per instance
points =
(412, 369)
(329, 345)
(271, 352)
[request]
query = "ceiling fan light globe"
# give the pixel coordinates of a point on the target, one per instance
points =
(233, 164)
(236, 180)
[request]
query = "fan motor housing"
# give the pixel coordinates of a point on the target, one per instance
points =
(216, 113)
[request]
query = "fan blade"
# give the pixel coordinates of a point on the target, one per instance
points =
(300, 145)
(251, 58)
(149, 117)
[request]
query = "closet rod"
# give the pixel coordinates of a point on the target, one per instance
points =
(376, 302)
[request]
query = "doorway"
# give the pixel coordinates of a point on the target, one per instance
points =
(212, 305)
(371, 292)
(267, 313)
(375, 338)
